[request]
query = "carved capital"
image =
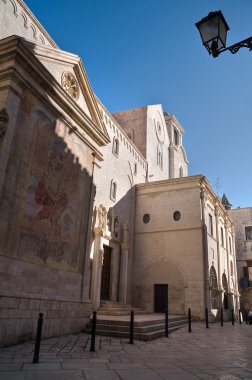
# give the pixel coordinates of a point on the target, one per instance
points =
(100, 220)
(203, 193)
(124, 246)
(98, 231)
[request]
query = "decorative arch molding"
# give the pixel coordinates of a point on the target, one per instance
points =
(214, 294)
(25, 19)
(159, 126)
(34, 31)
(224, 282)
(15, 9)
(41, 38)
(130, 175)
(184, 153)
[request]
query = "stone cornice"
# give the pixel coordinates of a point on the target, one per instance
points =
(23, 61)
(192, 181)
(121, 130)
(174, 120)
(27, 11)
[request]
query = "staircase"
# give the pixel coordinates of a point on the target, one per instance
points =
(116, 308)
(113, 319)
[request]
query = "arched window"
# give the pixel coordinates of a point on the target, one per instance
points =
(176, 137)
(230, 244)
(115, 146)
(135, 168)
(159, 157)
(113, 190)
(231, 268)
(181, 173)
(214, 288)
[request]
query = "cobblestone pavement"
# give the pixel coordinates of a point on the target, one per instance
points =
(223, 353)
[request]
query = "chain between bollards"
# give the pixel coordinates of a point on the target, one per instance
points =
(206, 317)
(189, 320)
(38, 339)
(166, 324)
(92, 345)
(131, 339)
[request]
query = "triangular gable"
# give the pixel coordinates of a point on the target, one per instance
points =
(69, 71)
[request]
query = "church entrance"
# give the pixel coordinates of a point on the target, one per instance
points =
(160, 298)
(105, 277)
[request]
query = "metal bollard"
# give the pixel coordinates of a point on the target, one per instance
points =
(240, 316)
(221, 316)
(92, 345)
(131, 340)
(166, 324)
(206, 315)
(38, 339)
(189, 320)
(232, 316)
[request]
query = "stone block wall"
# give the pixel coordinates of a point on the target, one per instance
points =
(19, 318)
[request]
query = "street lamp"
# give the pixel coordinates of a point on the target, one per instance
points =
(213, 31)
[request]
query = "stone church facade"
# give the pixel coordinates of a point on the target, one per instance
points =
(95, 206)
(243, 233)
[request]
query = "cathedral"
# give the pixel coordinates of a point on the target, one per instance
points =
(96, 206)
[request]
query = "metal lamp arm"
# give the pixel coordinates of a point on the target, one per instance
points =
(247, 43)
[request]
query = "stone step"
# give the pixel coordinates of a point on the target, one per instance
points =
(119, 312)
(143, 330)
(109, 304)
(116, 308)
(105, 325)
(125, 322)
(145, 336)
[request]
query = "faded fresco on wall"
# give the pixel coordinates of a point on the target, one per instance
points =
(51, 218)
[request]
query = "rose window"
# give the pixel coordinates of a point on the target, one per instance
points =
(70, 85)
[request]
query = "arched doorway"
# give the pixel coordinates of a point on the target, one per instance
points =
(105, 276)
(225, 287)
(214, 288)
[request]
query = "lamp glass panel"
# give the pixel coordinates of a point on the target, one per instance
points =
(223, 33)
(209, 29)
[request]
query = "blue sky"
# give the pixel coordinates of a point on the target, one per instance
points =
(139, 52)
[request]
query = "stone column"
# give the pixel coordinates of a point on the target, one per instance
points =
(203, 196)
(171, 160)
(216, 213)
(124, 264)
(236, 296)
(230, 292)
(97, 269)
(227, 249)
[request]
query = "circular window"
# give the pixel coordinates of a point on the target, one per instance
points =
(146, 218)
(70, 85)
(176, 216)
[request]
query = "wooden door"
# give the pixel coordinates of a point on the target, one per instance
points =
(105, 278)
(160, 298)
